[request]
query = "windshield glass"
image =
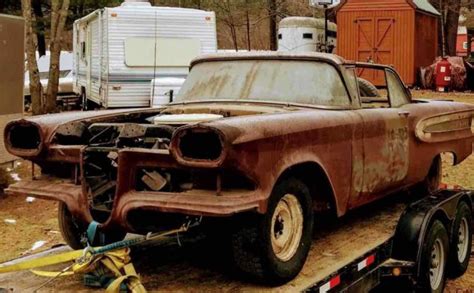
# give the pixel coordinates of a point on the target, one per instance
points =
(293, 81)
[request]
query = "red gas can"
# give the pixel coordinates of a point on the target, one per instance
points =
(443, 75)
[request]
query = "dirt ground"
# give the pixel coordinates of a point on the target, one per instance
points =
(23, 224)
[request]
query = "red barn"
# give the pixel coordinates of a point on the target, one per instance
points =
(403, 33)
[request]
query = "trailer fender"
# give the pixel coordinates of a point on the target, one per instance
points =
(416, 220)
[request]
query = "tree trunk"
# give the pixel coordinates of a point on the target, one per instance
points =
(272, 23)
(452, 22)
(247, 18)
(59, 12)
(35, 84)
(40, 27)
(449, 21)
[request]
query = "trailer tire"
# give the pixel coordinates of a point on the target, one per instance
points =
(73, 231)
(461, 241)
(434, 257)
(267, 249)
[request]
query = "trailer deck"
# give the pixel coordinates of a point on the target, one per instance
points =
(199, 265)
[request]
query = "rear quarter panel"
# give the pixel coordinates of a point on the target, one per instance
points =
(437, 127)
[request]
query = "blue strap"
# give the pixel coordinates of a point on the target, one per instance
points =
(91, 231)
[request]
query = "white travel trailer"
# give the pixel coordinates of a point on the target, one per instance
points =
(305, 34)
(119, 51)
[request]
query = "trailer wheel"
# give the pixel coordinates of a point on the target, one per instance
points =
(73, 231)
(434, 258)
(274, 248)
(461, 241)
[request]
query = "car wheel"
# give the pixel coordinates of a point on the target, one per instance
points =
(434, 258)
(461, 241)
(74, 231)
(275, 247)
(432, 181)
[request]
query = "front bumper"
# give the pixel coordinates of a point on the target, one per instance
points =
(195, 202)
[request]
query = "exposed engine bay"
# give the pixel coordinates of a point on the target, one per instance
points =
(181, 155)
(100, 164)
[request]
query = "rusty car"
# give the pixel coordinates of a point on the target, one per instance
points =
(271, 140)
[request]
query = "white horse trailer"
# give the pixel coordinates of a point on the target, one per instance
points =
(119, 51)
(305, 34)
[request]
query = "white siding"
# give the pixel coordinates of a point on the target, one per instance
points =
(132, 84)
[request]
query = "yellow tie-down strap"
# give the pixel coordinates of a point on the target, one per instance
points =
(117, 261)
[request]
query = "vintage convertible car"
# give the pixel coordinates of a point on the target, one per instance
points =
(269, 140)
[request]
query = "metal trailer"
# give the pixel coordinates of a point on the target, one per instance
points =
(118, 51)
(384, 247)
(387, 246)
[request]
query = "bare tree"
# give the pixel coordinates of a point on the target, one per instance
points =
(272, 23)
(36, 90)
(226, 14)
(449, 21)
(247, 23)
(59, 12)
(40, 27)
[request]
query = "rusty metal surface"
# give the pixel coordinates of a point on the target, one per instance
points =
(363, 154)
(271, 55)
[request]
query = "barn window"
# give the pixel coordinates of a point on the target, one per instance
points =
(308, 36)
(280, 36)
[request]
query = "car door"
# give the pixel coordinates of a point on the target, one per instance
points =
(385, 142)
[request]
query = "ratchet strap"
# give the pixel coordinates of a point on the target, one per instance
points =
(117, 261)
(114, 257)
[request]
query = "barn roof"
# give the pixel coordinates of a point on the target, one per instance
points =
(425, 6)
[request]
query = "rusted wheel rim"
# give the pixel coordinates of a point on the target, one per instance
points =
(437, 264)
(463, 238)
(287, 227)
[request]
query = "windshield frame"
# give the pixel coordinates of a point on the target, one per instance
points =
(338, 68)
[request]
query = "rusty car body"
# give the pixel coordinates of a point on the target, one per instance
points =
(244, 128)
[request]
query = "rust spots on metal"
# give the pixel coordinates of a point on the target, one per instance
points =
(231, 165)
